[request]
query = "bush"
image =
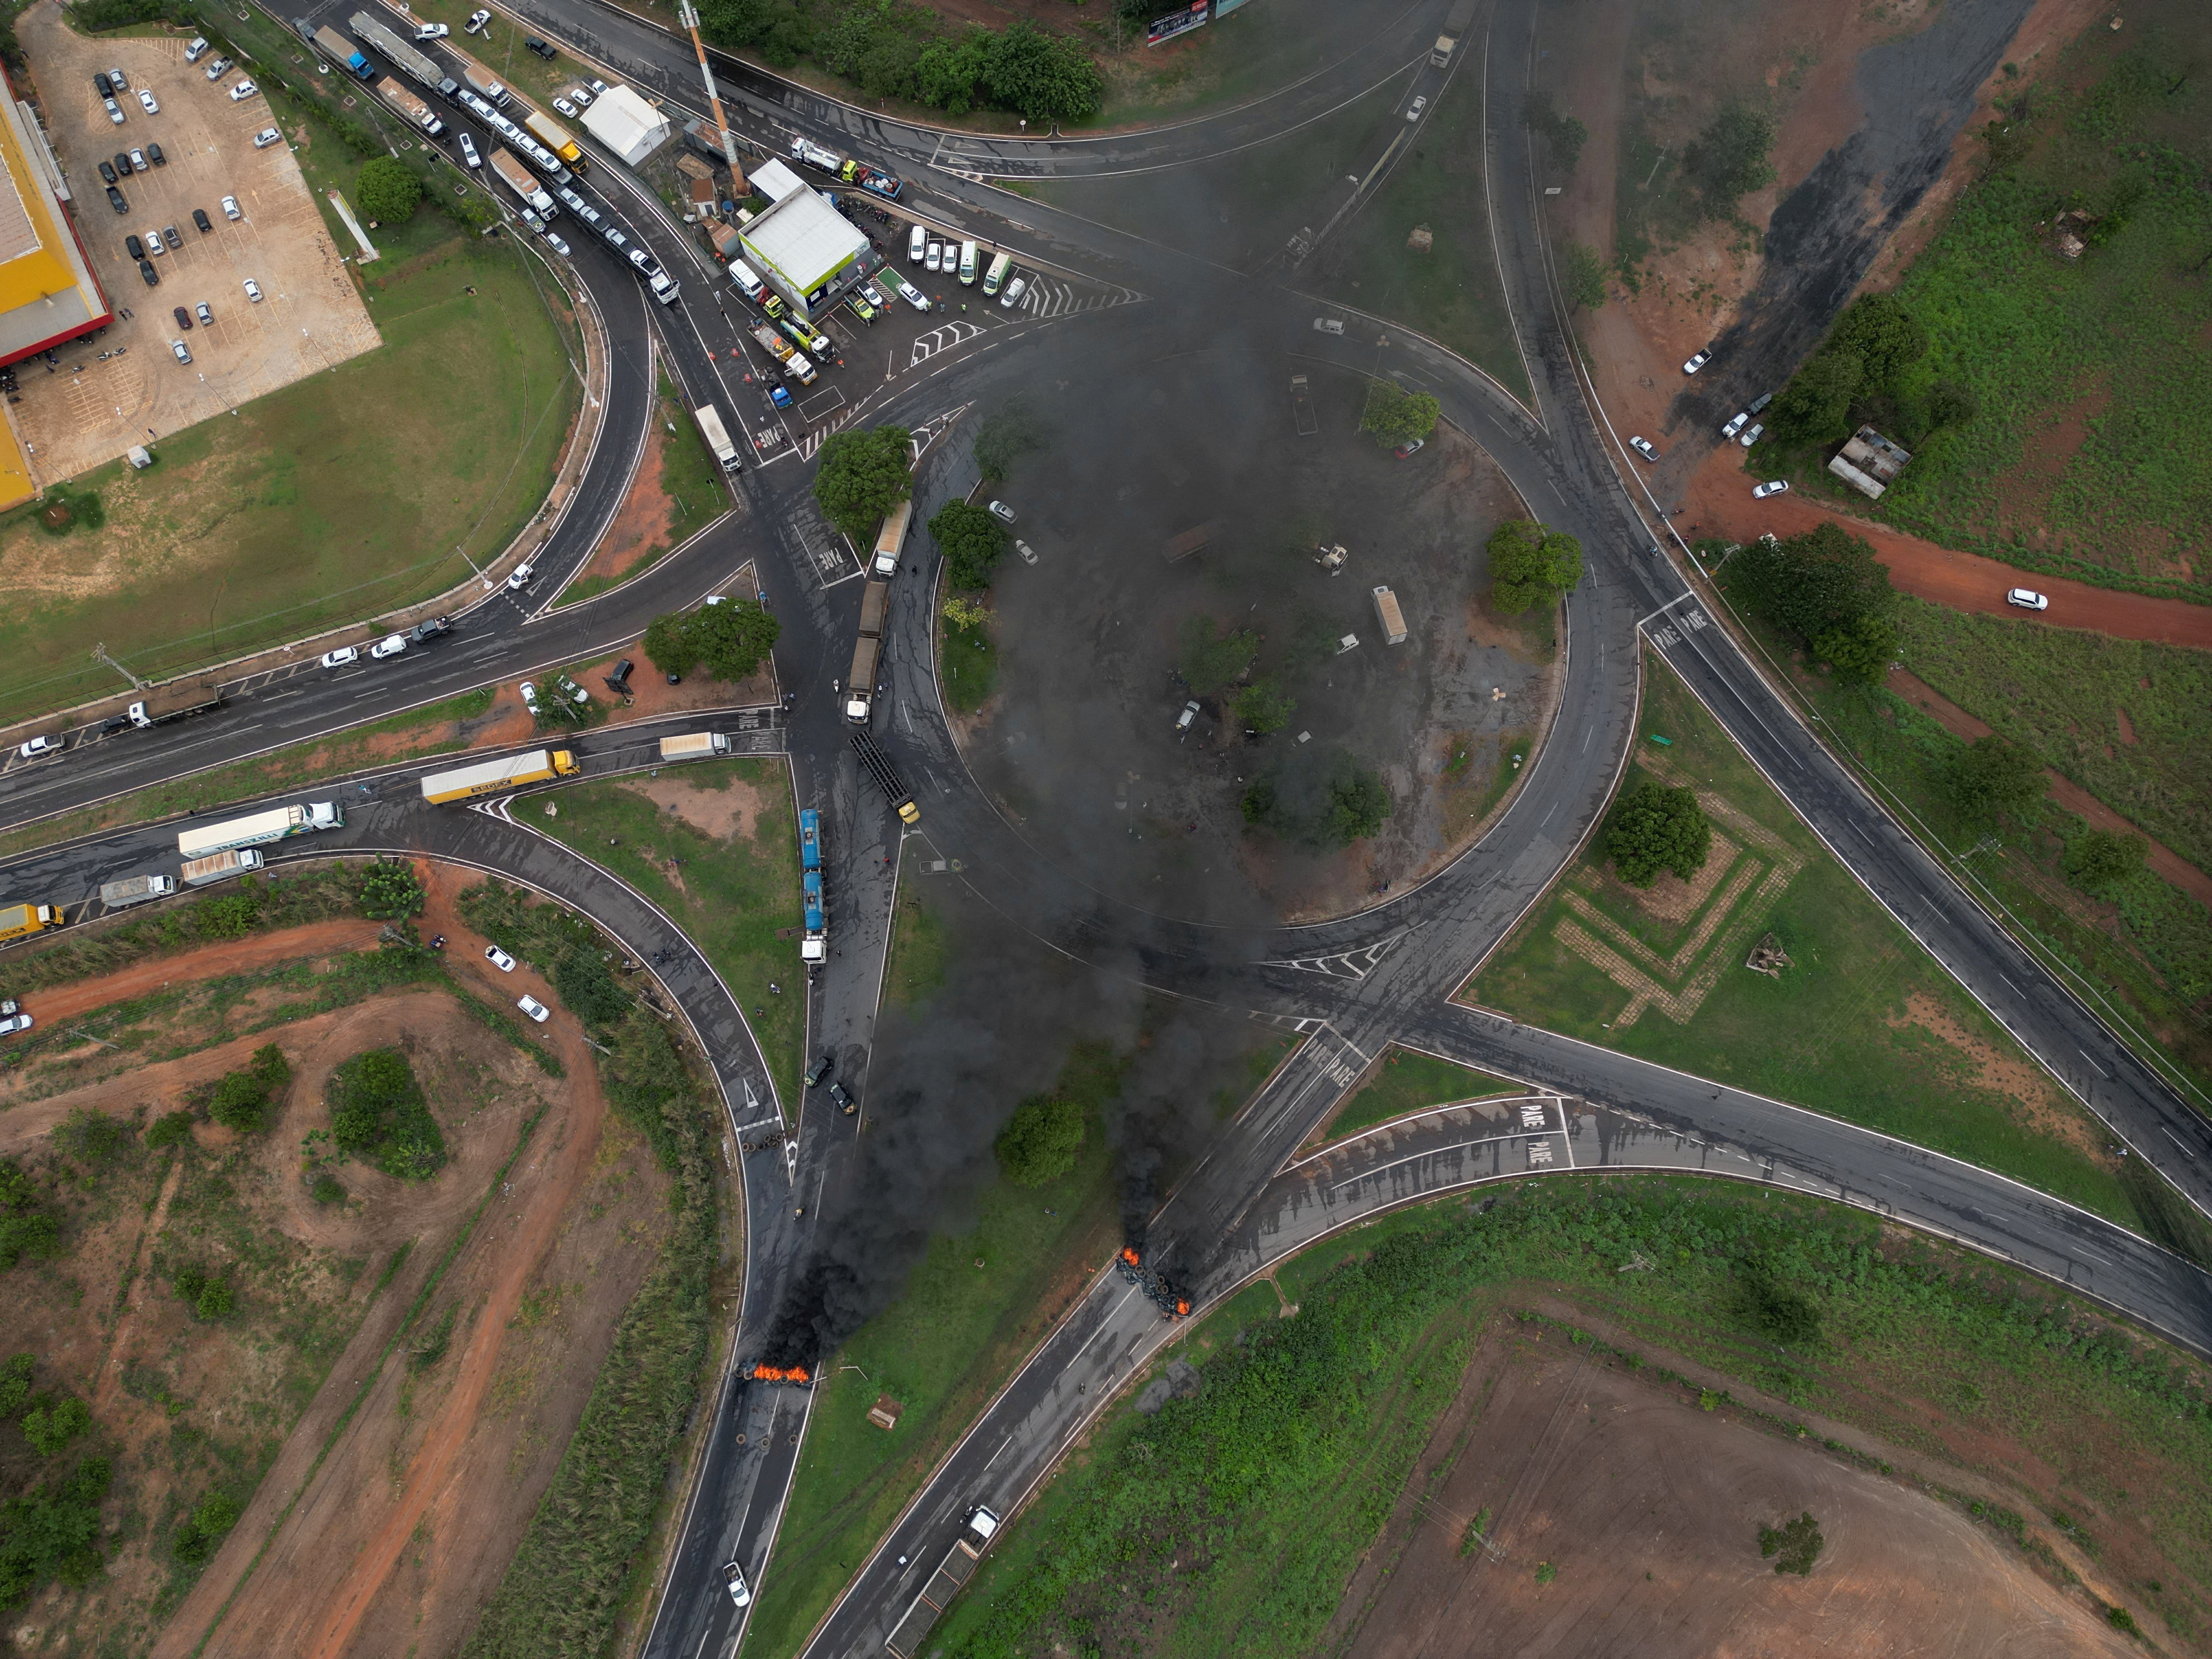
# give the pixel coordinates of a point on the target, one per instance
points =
(389, 890)
(1323, 803)
(327, 1189)
(27, 1227)
(170, 1129)
(94, 1139)
(215, 1301)
(1040, 1141)
(1531, 565)
(1860, 652)
(863, 475)
(50, 1427)
(1656, 827)
(239, 1103)
(1262, 707)
(377, 1109)
(15, 1384)
(1992, 776)
(1211, 658)
(387, 190)
(1796, 1542)
(52, 1532)
(1582, 273)
(200, 1533)
(1396, 416)
(972, 541)
(2100, 862)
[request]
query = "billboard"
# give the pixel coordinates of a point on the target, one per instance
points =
(1175, 22)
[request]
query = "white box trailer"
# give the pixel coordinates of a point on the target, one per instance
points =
(258, 828)
(717, 437)
(1392, 619)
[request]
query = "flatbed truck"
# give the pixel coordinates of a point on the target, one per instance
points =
(950, 1577)
(879, 768)
(867, 652)
(494, 777)
(136, 889)
(398, 52)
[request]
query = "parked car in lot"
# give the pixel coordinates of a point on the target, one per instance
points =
(183, 352)
(138, 162)
(1643, 447)
(1015, 289)
(155, 245)
(169, 234)
(116, 79)
(230, 208)
(532, 1007)
(933, 258)
(499, 958)
(152, 277)
(197, 50)
(1752, 434)
(101, 86)
(123, 161)
(217, 69)
(134, 248)
(1736, 422)
(241, 92)
(184, 316)
(344, 657)
(107, 171)
(253, 291)
(917, 245)
(154, 154)
(580, 97)
(265, 138)
(390, 645)
(913, 296)
(2026, 598)
(1002, 513)
(206, 314)
(199, 217)
(469, 151)
(861, 308)
(565, 107)
(39, 748)
(1698, 361)
(114, 110)
(1028, 553)
(1776, 487)
(146, 102)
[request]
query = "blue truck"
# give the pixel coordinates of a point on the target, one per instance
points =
(339, 50)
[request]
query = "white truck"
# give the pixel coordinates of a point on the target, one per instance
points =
(136, 889)
(695, 745)
(258, 828)
(522, 181)
(952, 1575)
(409, 105)
(867, 651)
(219, 866)
(717, 437)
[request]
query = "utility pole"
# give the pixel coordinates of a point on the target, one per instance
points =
(100, 654)
(688, 14)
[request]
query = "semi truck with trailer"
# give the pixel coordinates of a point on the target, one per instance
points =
(718, 438)
(174, 700)
(21, 921)
(339, 50)
(494, 777)
(952, 1576)
(695, 745)
(867, 651)
(136, 889)
(555, 137)
(879, 768)
(219, 866)
(258, 828)
(409, 105)
(522, 181)
(891, 538)
(398, 52)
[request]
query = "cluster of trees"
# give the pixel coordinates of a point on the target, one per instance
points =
(1531, 565)
(1827, 590)
(378, 1113)
(1396, 416)
(389, 890)
(1042, 1140)
(209, 1295)
(1870, 371)
(1321, 803)
(729, 640)
(1211, 658)
(388, 192)
(29, 1230)
(1654, 828)
(1565, 135)
(861, 475)
(972, 542)
(1991, 777)
(896, 51)
(49, 1528)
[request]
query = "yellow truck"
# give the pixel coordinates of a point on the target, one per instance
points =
(20, 921)
(498, 776)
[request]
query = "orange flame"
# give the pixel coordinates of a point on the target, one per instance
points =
(1129, 1254)
(1182, 1306)
(780, 1374)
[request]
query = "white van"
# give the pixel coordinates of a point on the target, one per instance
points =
(967, 265)
(748, 284)
(918, 244)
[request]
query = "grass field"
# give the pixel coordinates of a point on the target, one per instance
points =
(1406, 1082)
(730, 894)
(1229, 1523)
(2092, 454)
(1864, 1027)
(1449, 293)
(691, 482)
(329, 501)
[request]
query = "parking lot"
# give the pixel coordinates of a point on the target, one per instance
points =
(309, 319)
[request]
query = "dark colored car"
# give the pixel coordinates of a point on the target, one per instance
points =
(200, 218)
(845, 1104)
(107, 171)
(170, 232)
(153, 277)
(102, 85)
(184, 316)
(113, 724)
(122, 160)
(819, 1070)
(540, 48)
(617, 678)
(154, 154)
(115, 200)
(134, 248)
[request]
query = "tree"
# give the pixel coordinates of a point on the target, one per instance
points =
(1396, 416)
(1860, 652)
(1582, 274)
(387, 190)
(863, 475)
(1041, 77)
(1211, 658)
(732, 638)
(1357, 805)
(1531, 565)
(1012, 433)
(1993, 775)
(239, 1103)
(1040, 1141)
(1728, 159)
(1824, 580)
(2100, 862)
(964, 614)
(972, 541)
(1950, 404)
(27, 1227)
(1882, 335)
(1798, 1543)
(1815, 407)
(949, 74)
(1321, 802)
(1656, 827)
(1262, 706)
(390, 891)
(1565, 135)
(667, 646)
(51, 1424)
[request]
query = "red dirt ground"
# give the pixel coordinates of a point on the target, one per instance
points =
(1646, 1509)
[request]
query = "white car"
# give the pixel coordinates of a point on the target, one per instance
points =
(1779, 486)
(499, 958)
(565, 107)
(1736, 424)
(267, 136)
(390, 645)
(520, 579)
(529, 695)
(478, 19)
(935, 256)
(13, 1023)
(1413, 110)
(913, 296)
(532, 1007)
(146, 102)
(242, 91)
(1028, 553)
(345, 656)
(917, 245)
(230, 208)
(734, 1577)
(1015, 289)
(253, 291)
(432, 31)
(1002, 513)
(2026, 598)
(39, 747)
(197, 50)
(469, 151)
(1643, 447)
(182, 352)
(1698, 362)
(580, 98)
(556, 245)
(1189, 714)
(1752, 434)
(217, 69)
